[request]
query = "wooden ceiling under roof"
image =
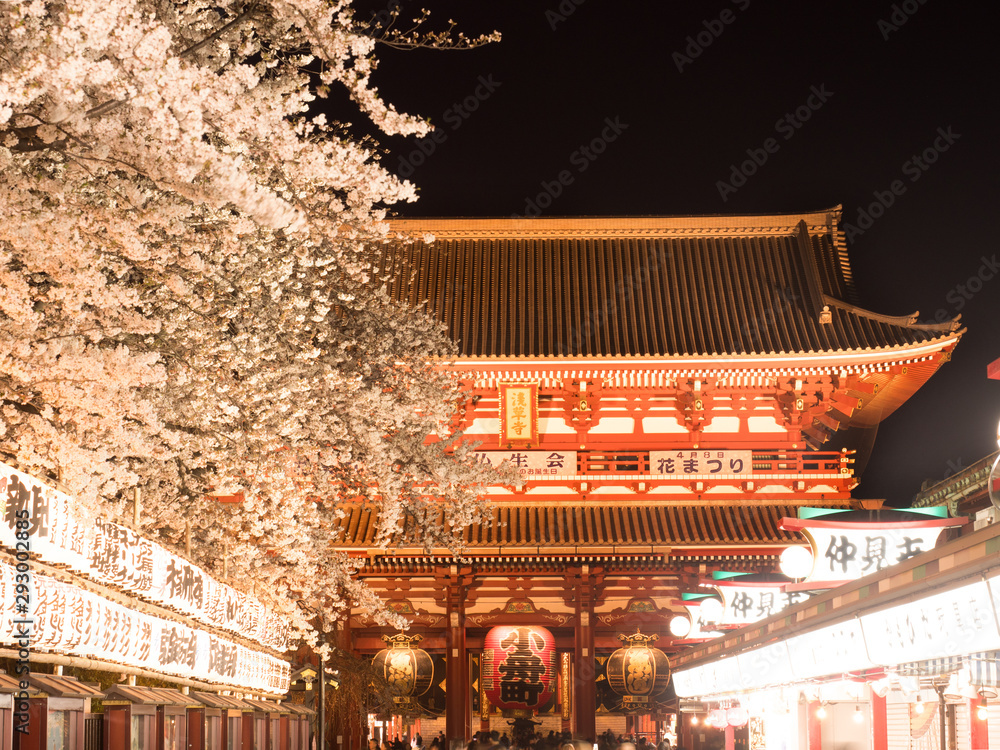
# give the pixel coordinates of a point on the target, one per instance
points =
(640, 287)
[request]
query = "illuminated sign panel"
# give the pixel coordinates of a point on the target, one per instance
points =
(836, 648)
(956, 622)
(746, 604)
(63, 618)
(952, 623)
(710, 463)
(848, 550)
(62, 533)
(518, 415)
(533, 464)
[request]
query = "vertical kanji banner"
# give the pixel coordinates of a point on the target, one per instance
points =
(518, 415)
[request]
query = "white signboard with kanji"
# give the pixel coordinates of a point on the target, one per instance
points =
(830, 650)
(845, 553)
(718, 676)
(960, 621)
(764, 666)
(702, 462)
(59, 531)
(534, 464)
(41, 612)
(746, 604)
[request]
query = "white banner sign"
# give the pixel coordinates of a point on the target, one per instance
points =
(701, 627)
(704, 462)
(707, 678)
(40, 612)
(61, 533)
(847, 553)
(534, 464)
(830, 650)
(960, 621)
(745, 604)
(768, 665)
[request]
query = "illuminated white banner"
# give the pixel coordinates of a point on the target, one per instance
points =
(960, 621)
(846, 551)
(707, 678)
(746, 604)
(113, 555)
(952, 623)
(700, 625)
(700, 462)
(43, 613)
(533, 464)
(830, 650)
(768, 665)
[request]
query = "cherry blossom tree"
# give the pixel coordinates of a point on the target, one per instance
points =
(185, 301)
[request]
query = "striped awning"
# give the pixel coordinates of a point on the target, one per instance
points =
(984, 669)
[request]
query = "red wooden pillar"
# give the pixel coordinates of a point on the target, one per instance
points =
(685, 732)
(457, 704)
(349, 728)
(730, 734)
(880, 724)
(585, 668)
(979, 735)
(814, 726)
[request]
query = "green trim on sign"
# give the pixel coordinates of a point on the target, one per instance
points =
(936, 511)
(724, 575)
(694, 597)
(807, 513)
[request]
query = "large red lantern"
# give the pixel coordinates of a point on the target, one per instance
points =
(409, 671)
(638, 672)
(518, 667)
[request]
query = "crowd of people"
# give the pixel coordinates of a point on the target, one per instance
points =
(534, 741)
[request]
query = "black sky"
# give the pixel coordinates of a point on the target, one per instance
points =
(886, 81)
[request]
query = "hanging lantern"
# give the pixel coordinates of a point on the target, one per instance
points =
(638, 672)
(518, 668)
(409, 671)
(737, 716)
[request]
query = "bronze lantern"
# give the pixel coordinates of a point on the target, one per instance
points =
(638, 672)
(408, 670)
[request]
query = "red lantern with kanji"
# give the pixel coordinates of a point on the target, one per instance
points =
(518, 667)
(638, 672)
(409, 671)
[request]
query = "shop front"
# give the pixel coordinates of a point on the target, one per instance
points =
(906, 655)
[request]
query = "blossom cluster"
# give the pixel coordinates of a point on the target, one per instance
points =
(185, 303)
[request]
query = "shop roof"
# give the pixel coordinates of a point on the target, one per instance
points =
(62, 686)
(149, 696)
(8, 684)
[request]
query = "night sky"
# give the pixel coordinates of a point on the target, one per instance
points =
(677, 93)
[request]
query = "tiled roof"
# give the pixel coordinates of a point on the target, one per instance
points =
(591, 525)
(8, 684)
(655, 286)
(150, 696)
(62, 686)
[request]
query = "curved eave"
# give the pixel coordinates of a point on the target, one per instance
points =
(824, 221)
(761, 361)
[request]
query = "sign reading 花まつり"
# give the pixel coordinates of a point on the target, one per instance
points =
(700, 462)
